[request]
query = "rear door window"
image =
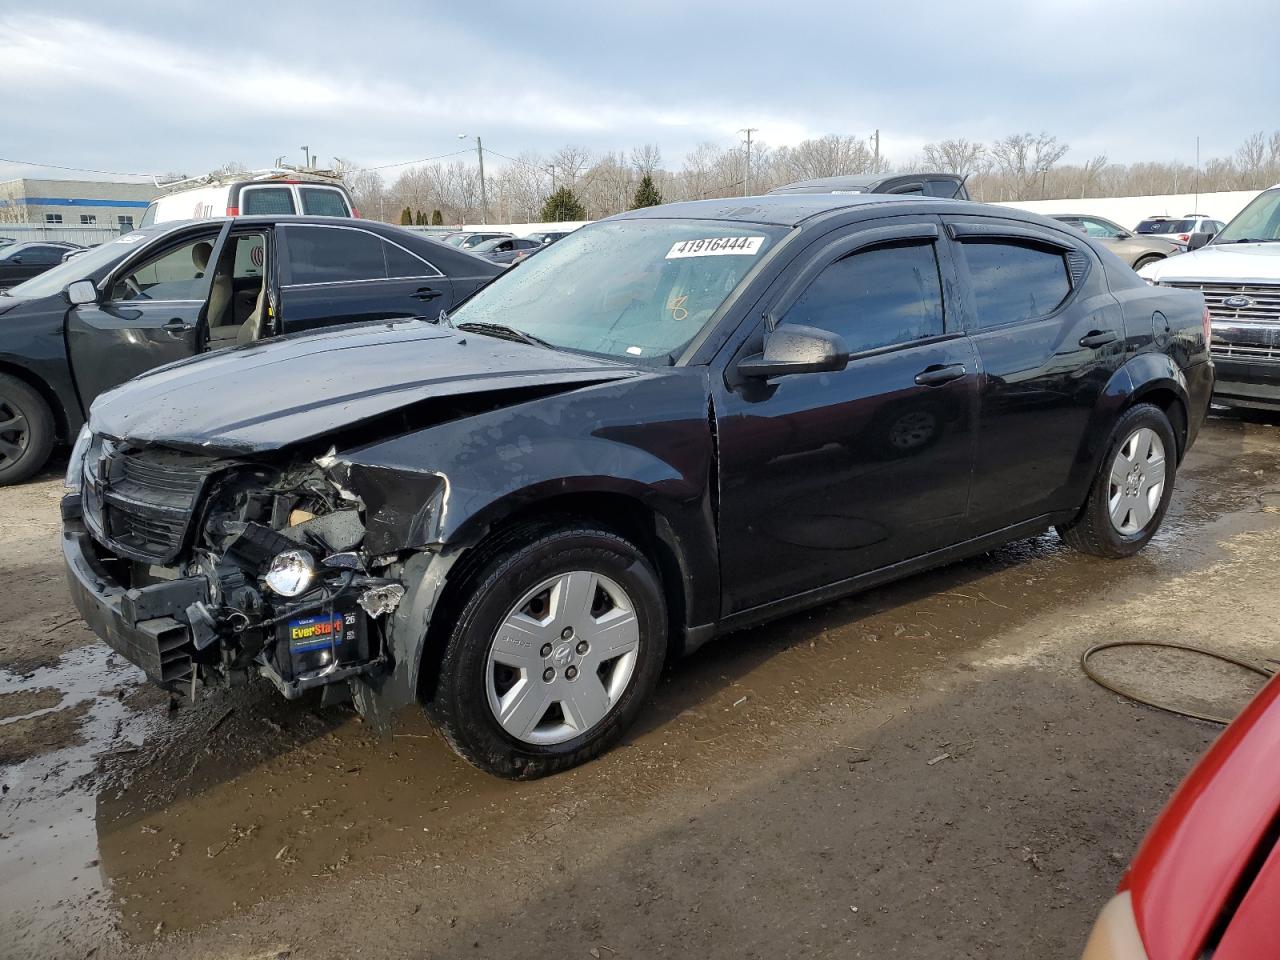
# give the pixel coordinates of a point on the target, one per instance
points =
(323, 202)
(1014, 280)
(875, 298)
(334, 255)
(267, 201)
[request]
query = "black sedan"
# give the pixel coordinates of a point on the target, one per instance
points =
(675, 423)
(172, 291)
(22, 261)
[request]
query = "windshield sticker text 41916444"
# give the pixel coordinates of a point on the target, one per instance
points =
(715, 247)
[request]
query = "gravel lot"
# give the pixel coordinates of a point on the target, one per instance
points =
(922, 771)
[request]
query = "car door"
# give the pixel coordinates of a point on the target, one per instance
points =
(1049, 337)
(149, 312)
(825, 476)
(337, 274)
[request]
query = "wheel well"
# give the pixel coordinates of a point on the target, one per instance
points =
(617, 513)
(46, 392)
(1173, 408)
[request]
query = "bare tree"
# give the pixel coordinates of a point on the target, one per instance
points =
(568, 163)
(829, 156)
(960, 156)
(1025, 159)
(646, 159)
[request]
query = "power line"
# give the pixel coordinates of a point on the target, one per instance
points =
(406, 163)
(56, 166)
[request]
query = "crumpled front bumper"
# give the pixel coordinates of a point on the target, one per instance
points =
(140, 624)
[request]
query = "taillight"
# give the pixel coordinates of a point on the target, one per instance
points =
(1184, 237)
(1208, 326)
(355, 213)
(233, 211)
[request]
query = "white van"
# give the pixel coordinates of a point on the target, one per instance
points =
(273, 192)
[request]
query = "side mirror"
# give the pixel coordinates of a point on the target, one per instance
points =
(797, 349)
(1198, 240)
(82, 291)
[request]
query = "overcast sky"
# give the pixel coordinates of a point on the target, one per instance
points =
(156, 87)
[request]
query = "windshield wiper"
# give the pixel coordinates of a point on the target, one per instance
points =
(1257, 240)
(502, 332)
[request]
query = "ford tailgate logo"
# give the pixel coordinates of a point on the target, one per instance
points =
(1238, 302)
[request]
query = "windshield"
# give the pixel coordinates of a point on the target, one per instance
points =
(1260, 220)
(635, 289)
(77, 268)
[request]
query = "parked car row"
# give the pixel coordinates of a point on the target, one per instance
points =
(22, 261)
(515, 513)
(177, 289)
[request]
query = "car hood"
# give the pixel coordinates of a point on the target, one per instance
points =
(274, 393)
(1239, 262)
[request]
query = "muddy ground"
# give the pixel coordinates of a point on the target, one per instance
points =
(922, 771)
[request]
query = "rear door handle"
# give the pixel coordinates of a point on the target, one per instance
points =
(177, 327)
(426, 293)
(1098, 338)
(937, 375)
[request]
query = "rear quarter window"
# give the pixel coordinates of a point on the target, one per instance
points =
(334, 255)
(1014, 281)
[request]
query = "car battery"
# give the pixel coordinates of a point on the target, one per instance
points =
(313, 640)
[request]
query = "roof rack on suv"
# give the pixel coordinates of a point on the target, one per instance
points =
(285, 172)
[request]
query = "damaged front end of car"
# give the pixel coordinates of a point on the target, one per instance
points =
(212, 569)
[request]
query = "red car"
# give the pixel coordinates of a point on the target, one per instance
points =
(1206, 880)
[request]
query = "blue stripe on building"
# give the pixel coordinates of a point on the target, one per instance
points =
(71, 202)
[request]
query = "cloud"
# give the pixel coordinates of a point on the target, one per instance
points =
(159, 86)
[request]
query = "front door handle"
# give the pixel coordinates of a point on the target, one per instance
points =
(937, 375)
(1098, 338)
(177, 327)
(426, 293)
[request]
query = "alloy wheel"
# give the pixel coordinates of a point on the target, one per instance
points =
(14, 433)
(562, 658)
(1137, 481)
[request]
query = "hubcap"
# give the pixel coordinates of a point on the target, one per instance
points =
(13, 433)
(562, 658)
(1137, 481)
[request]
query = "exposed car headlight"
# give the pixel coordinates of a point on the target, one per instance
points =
(291, 573)
(75, 467)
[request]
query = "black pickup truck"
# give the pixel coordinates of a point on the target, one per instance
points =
(168, 292)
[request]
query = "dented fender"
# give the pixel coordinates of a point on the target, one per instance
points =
(437, 491)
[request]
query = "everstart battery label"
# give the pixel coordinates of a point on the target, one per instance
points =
(321, 630)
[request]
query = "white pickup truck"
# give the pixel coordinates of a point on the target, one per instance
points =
(1238, 271)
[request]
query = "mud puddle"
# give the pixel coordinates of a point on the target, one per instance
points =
(242, 796)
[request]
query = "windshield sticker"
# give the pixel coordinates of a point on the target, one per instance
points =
(715, 247)
(129, 238)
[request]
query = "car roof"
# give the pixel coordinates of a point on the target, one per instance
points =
(783, 209)
(858, 182)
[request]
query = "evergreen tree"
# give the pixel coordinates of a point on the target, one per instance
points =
(647, 195)
(437, 218)
(562, 206)
(406, 217)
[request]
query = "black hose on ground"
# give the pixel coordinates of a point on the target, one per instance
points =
(1242, 664)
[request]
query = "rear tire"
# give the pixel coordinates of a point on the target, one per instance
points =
(27, 431)
(1124, 509)
(532, 681)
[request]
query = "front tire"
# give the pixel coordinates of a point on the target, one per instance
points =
(1147, 260)
(1132, 491)
(560, 641)
(26, 431)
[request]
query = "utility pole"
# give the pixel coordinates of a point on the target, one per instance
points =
(306, 152)
(746, 180)
(484, 199)
(1196, 208)
(876, 140)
